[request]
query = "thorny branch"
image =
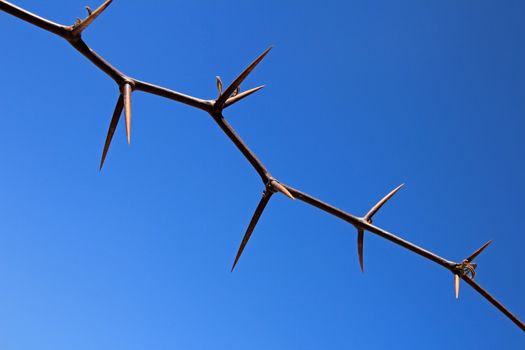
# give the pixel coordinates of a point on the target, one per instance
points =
(127, 85)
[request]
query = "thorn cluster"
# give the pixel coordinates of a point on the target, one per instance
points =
(467, 268)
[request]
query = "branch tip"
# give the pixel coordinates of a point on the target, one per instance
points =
(79, 26)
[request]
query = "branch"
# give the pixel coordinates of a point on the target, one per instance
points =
(245, 150)
(494, 302)
(73, 35)
(464, 270)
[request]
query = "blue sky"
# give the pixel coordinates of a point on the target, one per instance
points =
(360, 97)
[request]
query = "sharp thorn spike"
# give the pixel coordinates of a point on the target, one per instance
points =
(229, 91)
(112, 127)
(375, 208)
(478, 252)
(92, 15)
(253, 222)
(126, 92)
(277, 186)
(241, 96)
(456, 285)
(360, 242)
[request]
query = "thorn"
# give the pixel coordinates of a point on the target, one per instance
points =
(240, 96)
(277, 186)
(253, 222)
(456, 285)
(375, 208)
(126, 92)
(219, 84)
(478, 252)
(112, 127)
(229, 91)
(360, 241)
(92, 15)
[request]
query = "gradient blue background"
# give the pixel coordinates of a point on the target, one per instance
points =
(360, 96)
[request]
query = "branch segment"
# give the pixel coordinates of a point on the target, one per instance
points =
(495, 302)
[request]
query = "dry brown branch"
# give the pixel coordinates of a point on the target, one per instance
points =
(464, 270)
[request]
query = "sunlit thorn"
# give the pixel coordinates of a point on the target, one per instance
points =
(253, 222)
(112, 127)
(92, 15)
(126, 92)
(456, 285)
(229, 91)
(241, 96)
(280, 188)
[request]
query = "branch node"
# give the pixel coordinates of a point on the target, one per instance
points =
(230, 91)
(467, 268)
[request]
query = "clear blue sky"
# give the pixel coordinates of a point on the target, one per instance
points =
(361, 96)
